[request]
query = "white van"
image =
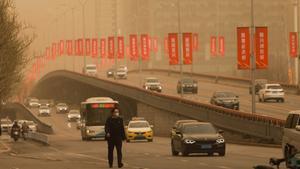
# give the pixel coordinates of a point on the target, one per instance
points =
(90, 70)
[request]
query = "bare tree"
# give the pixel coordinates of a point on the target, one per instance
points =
(13, 45)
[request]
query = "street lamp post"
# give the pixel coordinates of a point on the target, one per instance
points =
(73, 38)
(83, 3)
(252, 58)
(116, 37)
(180, 45)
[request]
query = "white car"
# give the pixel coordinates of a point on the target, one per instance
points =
(124, 68)
(74, 115)
(61, 108)
(271, 92)
(152, 84)
(31, 124)
(90, 70)
(33, 103)
(44, 111)
(120, 74)
(6, 124)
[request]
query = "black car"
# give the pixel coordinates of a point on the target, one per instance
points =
(226, 99)
(197, 137)
(110, 73)
(188, 85)
(177, 125)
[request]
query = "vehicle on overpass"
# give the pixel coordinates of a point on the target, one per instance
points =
(225, 99)
(46, 102)
(139, 129)
(94, 112)
(90, 70)
(6, 124)
(120, 74)
(110, 73)
(187, 85)
(258, 83)
(197, 137)
(271, 92)
(31, 125)
(152, 84)
(44, 111)
(33, 103)
(124, 68)
(178, 124)
(291, 135)
(62, 108)
(73, 115)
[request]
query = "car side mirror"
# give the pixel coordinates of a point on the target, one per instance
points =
(221, 131)
(298, 127)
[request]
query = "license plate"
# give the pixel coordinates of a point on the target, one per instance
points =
(206, 146)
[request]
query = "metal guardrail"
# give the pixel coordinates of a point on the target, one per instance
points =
(254, 125)
(224, 79)
(39, 137)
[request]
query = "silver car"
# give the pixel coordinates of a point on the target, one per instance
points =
(44, 111)
(73, 115)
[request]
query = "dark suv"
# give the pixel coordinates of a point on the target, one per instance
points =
(226, 99)
(197, 137)
(187, 85)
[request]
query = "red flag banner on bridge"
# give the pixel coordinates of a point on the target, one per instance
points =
(155, 44)
(187, 39)
(145, 47)
(121, 47)
(53, 56)
(173, 48)
(76, 47)
(195, 42)
(111, 47)
(103, 47)
(133, 47)
(80, 47)
(166, 46)
(88, 47)
(243, 47)
(293, 44)
(221, 46)
(61, 47)
(94, 47)
(261, 47)
(48, 55)
(213, 46)
(69, 47)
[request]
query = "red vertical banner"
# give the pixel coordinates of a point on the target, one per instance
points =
(221, 45)
(243, 47)
(173, 48)
(76, 47)
(94, 47)
(187, 39)
(87, 47)
(48, 53)
(69, 47)
(80, 47)
(150, 41)
(293, 44)
(133, 46)
(213, 46)
(261, 47)
(61, 47)
(53, 56)
(103, 47)
(128, 51)
(111, 47)
(166, 46)
(155, 44)
(195, 42)
(145, 49)
(121, 47)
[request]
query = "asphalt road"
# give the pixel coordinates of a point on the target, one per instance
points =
(67, 151)
(206, 89)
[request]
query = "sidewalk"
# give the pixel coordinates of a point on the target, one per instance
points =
(4, 146)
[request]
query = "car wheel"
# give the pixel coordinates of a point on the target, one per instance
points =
(222, 153)
(282, 100)
(210, 154)
(150, 140)
(127, 140)
(185, 153)
(83, 138)
(263, 99)
(174, 152)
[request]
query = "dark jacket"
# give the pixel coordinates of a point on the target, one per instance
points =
(115, 127)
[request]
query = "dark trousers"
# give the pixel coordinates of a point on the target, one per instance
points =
(112, 143)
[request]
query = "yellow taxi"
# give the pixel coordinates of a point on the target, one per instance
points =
(139, 129)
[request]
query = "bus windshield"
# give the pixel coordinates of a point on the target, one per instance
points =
(96, 116)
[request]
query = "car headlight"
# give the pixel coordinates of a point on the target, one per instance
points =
(188, 141)
(149, 132)
(159, 87)
(146, 87)
(220, 140)
(195, 85)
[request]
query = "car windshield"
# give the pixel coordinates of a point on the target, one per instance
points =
(274, 87)
(43, 107)
(6, 122)
(30, 123)
(74, 112)
(91, 67)
(224, 94)
(199, 129)
(139, 125)
(152, 80)
(34, 100)
(61, 105)
(187, 80)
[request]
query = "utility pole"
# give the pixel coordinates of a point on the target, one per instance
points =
(83, 3)
(73, 38)
(252, 58)
(296, 29)
(116, 36)
(180, 44)
(137, 34)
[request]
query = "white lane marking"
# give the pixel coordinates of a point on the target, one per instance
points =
(184, 160)
(223, 167)
(169, 158)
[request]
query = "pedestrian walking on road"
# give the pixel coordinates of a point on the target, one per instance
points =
(115, 134)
